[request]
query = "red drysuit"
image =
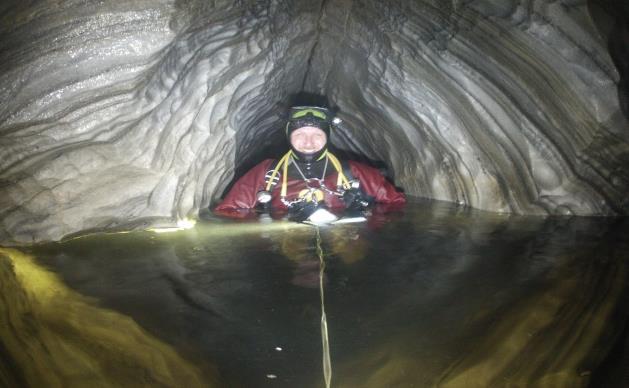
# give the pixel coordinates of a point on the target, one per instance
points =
(243, 193)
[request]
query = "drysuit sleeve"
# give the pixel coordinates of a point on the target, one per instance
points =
(242, 195)
(376, 185)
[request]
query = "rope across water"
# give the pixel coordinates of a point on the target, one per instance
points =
(327, 365)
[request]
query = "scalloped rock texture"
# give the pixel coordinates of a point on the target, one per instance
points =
(115, 112)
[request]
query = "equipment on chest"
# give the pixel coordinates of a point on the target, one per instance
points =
(315, 186)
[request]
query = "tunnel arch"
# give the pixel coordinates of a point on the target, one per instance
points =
(507, 108)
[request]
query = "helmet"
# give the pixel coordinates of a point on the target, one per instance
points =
(309, 116)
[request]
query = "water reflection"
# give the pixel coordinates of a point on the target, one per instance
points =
(52, 337)
(431, 295)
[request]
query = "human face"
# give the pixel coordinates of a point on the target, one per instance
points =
(308, 140)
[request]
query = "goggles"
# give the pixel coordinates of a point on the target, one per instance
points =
(302, 111)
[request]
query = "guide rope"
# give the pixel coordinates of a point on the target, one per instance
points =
(327, 364)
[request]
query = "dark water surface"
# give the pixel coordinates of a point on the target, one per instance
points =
(432, 295)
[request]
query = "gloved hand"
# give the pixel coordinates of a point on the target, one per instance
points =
(300, 211)
(263, 207)
(355, 200)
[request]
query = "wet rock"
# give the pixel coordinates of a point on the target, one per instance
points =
(117, 111)
(53, 337)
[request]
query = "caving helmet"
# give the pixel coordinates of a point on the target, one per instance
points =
(309, 116)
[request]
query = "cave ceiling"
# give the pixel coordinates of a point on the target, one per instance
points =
(121, 112)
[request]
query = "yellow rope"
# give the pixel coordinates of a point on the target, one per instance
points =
(327, 364)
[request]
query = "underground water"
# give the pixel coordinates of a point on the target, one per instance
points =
(434, 294)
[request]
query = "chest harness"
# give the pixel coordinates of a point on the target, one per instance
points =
(313, 185)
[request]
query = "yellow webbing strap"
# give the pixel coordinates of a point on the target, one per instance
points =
(276, 170)
(341, 180)
(285, 175)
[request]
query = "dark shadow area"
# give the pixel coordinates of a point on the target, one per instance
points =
(611, 18)
(614, 370)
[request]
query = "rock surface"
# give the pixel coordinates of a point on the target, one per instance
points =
(55, 337)
(119, 112)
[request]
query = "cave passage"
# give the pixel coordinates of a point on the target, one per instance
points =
(125, 114)
(508, 117)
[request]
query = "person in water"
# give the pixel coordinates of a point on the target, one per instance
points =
(309, 176)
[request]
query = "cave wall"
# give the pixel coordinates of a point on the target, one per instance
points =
(135, 110)
(505, 106)
(119, 112)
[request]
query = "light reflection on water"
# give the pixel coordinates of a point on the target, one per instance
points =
(431, 295)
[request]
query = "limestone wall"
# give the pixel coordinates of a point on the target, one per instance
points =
(121, 112)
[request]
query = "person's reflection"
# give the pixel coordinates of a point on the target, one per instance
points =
(348, 243)
(299, 246)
